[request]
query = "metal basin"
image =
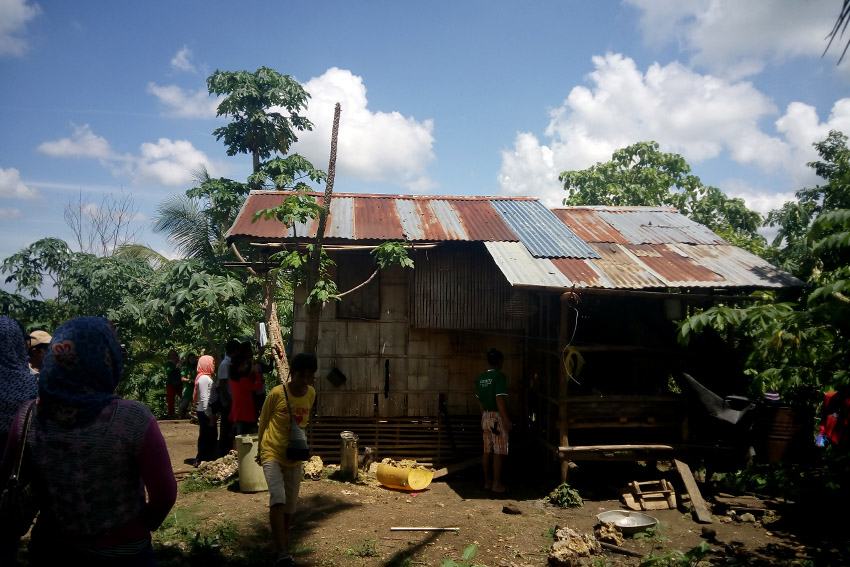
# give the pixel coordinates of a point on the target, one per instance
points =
(627, 521)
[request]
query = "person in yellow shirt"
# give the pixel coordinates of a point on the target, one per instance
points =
(283, 475)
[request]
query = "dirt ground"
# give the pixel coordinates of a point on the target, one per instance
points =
(350, 523)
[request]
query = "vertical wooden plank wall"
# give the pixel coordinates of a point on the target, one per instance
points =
(424, 362)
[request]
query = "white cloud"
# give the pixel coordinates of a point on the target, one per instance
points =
(757, 199)
(182, 61)
(801, 128)
(166, 162)
(82, 143)
(182, 103)
(739, 38)
(171, 162)
(10, 213)
(698, 116)
(372, 145)
(14, 17)
(12, 187)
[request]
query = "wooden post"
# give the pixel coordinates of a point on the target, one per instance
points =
(563, 386)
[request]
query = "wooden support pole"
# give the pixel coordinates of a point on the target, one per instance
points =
(563, 385)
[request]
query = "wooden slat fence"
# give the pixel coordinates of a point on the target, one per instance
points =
(425, 439)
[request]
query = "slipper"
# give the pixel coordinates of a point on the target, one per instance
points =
(502, 491)
(285, 561)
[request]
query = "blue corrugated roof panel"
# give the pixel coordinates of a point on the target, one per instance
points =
(541, 231)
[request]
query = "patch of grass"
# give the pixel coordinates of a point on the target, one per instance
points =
(677, 558)
(653, 533)
(303, 549)
(196, 483)
(366, 548)
(187, 534)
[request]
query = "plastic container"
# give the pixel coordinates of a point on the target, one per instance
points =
(403, 478)
(251, 477)
(348, 455)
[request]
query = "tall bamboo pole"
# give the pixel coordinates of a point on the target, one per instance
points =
(311, 337)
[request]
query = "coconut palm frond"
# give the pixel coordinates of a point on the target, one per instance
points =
(186, 226)
(142, 252)
(841, 23)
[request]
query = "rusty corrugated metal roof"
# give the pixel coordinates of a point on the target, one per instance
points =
(585, 247)
(384, 217)
(541, 231)
(644, 248)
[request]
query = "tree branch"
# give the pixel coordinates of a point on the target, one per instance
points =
(372, 277)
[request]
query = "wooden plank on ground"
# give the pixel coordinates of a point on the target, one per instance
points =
(457, 467)
(700, 508)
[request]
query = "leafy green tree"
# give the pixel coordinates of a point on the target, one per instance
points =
(42, 262)
(791, 248)
(249, 99)
(642, 175)
(800, 346)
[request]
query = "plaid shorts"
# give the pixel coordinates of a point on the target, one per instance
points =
(495, 436)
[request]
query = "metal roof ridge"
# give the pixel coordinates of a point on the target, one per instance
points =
(643, 208)
(398, 196)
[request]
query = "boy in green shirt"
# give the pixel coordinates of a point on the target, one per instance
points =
(491, 388)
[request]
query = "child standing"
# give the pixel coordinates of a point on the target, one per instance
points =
(491, 388)
(283, 476)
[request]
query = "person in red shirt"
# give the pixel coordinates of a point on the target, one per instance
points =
(835, 419)
(245, 380)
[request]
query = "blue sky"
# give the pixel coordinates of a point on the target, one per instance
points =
(446, 98)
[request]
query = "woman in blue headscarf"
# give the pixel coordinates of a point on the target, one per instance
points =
(17, 385)
(97, 455)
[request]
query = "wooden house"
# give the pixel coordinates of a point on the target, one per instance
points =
(582, 301)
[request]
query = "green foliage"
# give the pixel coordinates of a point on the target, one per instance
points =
(391, 254)
(799, 345)
(564, 496)
(677, 558)
(366, 548)
(255, 129)
(641, 175)
(296, 209)
(287, 174)
(469, 553)
(45, 258)
(652, 532)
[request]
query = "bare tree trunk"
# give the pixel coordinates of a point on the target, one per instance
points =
(311, 338)
(275, 335)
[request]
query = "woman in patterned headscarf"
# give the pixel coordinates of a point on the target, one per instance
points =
(96, 454)
(17, 384)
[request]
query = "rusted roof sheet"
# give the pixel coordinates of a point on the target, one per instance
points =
(583, 247)
(541, 231)
(587, 225)
(386, 217)
(635, 225)
(643, 248)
